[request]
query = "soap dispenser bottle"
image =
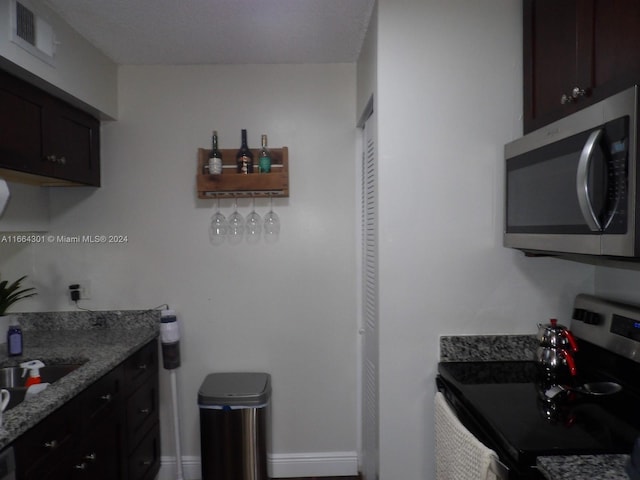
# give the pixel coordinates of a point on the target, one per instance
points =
(14, 340)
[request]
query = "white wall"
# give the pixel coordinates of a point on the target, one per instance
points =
(287, 308)
(449, 97)
(79, 69)
(619, 283)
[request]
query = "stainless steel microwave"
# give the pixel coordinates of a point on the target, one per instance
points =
(572, 186)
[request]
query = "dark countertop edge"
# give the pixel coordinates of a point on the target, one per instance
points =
(99, 346)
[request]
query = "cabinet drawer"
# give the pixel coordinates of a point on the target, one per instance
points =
(142, 411)
(43, 446)
(140, 366)
(101, 398)
(144, 462)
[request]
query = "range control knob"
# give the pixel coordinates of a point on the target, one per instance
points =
(586, 316)
(592, 318)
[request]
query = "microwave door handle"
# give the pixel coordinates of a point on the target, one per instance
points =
(582, 181)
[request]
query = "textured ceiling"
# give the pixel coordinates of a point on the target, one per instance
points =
(177, 32)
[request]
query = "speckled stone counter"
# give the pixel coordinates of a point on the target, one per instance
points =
(584, 467)
(98, 340)
(487, 348)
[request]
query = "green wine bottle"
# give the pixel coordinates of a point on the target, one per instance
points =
(264, 157)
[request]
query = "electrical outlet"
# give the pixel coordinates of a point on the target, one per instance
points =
(80, 291)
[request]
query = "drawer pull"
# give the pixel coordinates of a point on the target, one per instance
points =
(51, 445)
(142, 366)
(81, 466)
(90, 457)
(106, 397)
(144, 411)
(146, 463)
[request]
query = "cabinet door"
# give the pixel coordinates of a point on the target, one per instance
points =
(21, 116)
(616, 34)
(551, 57)
(45, 138)
(71, 144)
(588, 45)
(100, 456)
(44, 446)
(97, 457)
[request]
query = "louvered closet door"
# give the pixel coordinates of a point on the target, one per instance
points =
(370, 409)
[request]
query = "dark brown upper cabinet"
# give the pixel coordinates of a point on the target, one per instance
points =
(577, 52)
(44, 140)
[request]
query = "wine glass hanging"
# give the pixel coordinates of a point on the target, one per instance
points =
(235, 228)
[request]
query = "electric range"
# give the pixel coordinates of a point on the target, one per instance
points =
(509, 407)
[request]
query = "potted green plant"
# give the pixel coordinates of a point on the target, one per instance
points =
(10, 294)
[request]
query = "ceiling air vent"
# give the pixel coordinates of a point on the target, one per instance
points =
(31, 31)
(25, 24)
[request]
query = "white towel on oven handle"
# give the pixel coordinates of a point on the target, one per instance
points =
(459, 454)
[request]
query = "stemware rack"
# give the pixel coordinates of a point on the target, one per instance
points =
(233, 184)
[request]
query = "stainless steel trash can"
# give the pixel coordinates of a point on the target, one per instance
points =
(235, 426)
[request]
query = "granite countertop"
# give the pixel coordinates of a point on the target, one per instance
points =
(584, 467)
(486, 348)
(98, 340)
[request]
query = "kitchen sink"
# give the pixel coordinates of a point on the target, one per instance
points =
(11, 378)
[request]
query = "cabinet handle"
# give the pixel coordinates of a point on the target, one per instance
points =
(106, 397)
(144, 411)
(578, 92)
(57, 160)
(51, 445)
(146, 463)
(142, 366)
(80, 466)
(564, 99)
(90, 457)
(571, 97)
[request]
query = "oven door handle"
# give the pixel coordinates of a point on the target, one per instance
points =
(582, 181)
(499, 469)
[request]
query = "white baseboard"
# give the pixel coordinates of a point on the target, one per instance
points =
(283, 465)
(325, 464)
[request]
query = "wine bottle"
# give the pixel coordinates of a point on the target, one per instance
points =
(264, 157)
(215, 157)
(244, 157)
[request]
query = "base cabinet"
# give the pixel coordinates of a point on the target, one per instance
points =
(110, 431)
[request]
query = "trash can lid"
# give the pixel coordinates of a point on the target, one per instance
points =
(235, 389)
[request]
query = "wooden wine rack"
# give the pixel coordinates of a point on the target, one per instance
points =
(233, 184)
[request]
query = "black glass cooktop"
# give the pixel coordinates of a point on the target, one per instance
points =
(507, 401)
